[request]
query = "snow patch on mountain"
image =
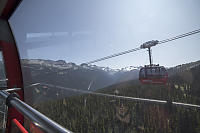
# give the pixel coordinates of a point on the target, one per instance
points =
(61, 64)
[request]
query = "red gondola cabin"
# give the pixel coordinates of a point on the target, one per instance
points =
(153, 75)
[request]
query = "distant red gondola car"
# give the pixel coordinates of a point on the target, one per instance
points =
(153, 75)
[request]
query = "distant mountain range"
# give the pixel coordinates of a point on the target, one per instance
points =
(82, 77)
(182, 67)
(77, 76)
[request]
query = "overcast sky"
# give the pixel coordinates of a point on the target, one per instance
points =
(83, 30)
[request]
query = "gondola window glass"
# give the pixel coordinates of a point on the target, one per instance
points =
(3, 79)
(3, 84)
(57, 38)
(142, 73)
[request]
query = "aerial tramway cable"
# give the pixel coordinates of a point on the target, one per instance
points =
(120, 97)
(139, 48)
(148, 45)
(114, 55)
(179, 36)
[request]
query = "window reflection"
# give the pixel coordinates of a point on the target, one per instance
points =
(3, 79)
(55, 39)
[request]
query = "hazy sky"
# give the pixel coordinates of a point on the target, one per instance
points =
(83, 30)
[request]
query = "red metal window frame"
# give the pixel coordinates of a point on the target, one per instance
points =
(14, 76)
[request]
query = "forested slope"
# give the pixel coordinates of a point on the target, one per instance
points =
(89, 113)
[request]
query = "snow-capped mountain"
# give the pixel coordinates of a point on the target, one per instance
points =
(76, 76)
(61, 64)
(71, 75)
(130, 68)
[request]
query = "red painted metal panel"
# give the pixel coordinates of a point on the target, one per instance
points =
(14, 76)
(153, 80)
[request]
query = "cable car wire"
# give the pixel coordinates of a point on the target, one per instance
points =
(113, 55)
(179, 36)
(136, 49)
(121, 97)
